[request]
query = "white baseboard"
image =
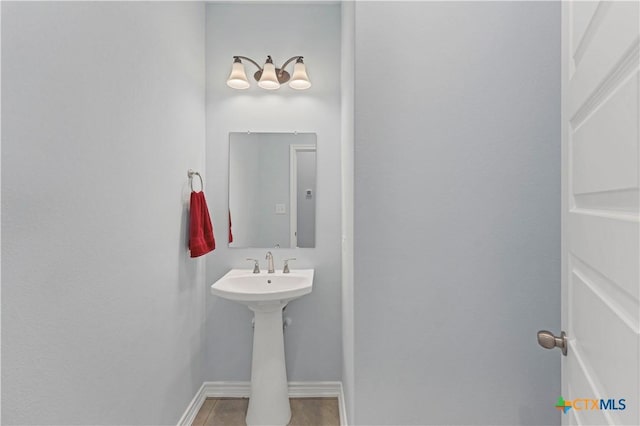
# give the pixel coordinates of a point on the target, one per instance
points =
(243, 389)
(194, 406)
(320, 390)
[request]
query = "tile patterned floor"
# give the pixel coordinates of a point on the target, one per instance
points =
(304, 412)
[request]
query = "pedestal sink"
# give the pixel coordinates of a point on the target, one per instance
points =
(266, 295)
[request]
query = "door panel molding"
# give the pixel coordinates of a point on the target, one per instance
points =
(605, 150)
(622, 202)
(609, 246)
(617, 76)
(583, 379)
(583, 38)
(619, 301)
(611, 51)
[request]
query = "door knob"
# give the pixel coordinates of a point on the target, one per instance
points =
(547, 340)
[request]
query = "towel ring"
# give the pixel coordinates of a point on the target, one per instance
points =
(190, 173)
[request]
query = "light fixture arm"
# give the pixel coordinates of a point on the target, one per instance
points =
(280, 70)
(237, 59)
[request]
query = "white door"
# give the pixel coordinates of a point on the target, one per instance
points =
(600, 213)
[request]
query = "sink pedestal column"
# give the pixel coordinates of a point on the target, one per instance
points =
(269, 400)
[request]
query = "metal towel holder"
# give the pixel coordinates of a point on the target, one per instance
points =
(190, 173)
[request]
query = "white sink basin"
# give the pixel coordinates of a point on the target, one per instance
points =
(266, 295)
(242, 285)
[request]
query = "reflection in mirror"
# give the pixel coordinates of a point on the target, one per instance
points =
(272, 190)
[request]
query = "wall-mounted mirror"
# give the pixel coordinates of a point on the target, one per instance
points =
(272, 190)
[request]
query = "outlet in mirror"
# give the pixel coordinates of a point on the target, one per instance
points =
(272, 190)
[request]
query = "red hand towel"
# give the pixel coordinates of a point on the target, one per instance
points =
(230, 233)
(201, 239)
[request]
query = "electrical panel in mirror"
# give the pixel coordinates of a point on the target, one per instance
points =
(272, 190)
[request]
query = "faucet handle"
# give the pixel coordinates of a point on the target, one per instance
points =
(285, 269)
(256, 265)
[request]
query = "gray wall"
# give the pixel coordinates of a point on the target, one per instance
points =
(347, 87)
(313, 340)
(457, 212)
(102, 308)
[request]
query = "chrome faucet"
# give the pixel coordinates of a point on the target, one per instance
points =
(269, 258)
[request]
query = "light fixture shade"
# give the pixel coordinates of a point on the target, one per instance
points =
(269, 79)
(238, 78)
(299, 79)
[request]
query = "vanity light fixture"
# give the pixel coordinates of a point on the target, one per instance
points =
(269, 77)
